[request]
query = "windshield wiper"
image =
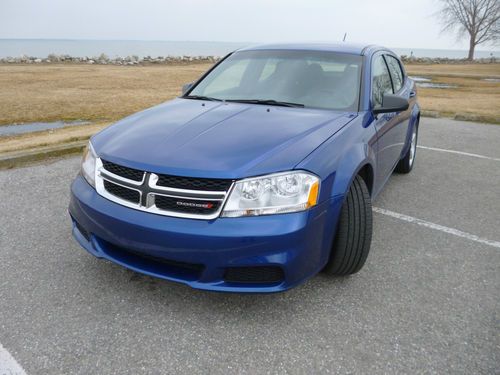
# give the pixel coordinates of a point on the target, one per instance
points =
(267, 102)
(201, 97)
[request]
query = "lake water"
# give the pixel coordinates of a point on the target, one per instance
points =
(123, 48)
(36, 126)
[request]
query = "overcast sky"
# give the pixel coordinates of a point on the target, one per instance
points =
(394, 23)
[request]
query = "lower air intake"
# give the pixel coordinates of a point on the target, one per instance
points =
(264, 274)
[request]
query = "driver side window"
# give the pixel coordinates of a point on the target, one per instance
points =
(381, 81)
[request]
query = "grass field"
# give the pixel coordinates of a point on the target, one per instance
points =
(103, 94)
(472, 97)
(31, 93)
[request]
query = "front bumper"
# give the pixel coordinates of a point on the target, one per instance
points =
(199, 253)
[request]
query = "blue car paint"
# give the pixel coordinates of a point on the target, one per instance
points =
(180, 138)
(223, 140)
(292, 241)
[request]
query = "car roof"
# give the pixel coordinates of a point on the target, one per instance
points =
(349, 48)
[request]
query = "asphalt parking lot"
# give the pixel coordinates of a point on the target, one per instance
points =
(427, 300)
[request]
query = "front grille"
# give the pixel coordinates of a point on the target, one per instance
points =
(125, 172)
(191, 183)
(122, 192)
(258, 274)
(191, 206)
(186, 197)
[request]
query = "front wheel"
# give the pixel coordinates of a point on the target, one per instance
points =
(354, 232)
(405, 165)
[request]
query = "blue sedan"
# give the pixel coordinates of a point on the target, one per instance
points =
(259, 176)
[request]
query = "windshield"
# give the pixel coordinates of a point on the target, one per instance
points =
(314, 79)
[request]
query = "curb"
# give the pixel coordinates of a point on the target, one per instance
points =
(20, 158)
(461, 117)
(431, 114)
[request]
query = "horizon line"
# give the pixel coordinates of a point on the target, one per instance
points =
(214, 41)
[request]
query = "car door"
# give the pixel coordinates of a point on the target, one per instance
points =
(385, 124)
(401, 88)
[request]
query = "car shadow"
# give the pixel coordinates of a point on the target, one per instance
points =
(150, 291)
(166, 293)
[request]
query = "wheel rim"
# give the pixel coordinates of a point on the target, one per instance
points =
(413, 145)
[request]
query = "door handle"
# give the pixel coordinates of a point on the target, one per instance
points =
(413, 94)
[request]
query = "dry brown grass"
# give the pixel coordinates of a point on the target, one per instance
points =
(30, 93)
(462, 70)
(473, 96)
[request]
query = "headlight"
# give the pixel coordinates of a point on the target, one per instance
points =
(88, 164)
(272, 194)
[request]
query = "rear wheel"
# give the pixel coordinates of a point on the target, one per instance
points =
(354, 232)
(405, 165)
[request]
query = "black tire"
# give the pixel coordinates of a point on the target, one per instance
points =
(354, 232)
(405, 165)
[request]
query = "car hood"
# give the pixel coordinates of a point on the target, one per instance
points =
(188, 137)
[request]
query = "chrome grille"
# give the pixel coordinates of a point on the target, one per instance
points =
(197, 198)
(125, 172)
(122, 192)
(194, 183)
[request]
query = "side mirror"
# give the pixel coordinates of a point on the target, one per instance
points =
(392, 103)
(186, 87)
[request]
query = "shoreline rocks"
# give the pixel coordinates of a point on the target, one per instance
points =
(445, 60)
(103, 59)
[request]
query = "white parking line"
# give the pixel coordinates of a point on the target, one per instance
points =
(438, 227)
(458, 152)
(8, 365)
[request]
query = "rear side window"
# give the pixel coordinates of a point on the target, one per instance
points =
(381, 81)
(396, 72)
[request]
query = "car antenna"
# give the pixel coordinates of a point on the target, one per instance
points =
(345, 36)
